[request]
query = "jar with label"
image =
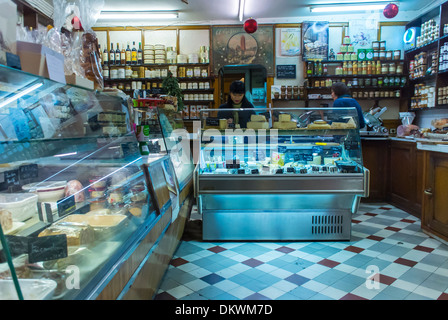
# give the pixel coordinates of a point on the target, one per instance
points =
(181, 72)
(368, 82)
(113, 73)
(206, 85)
(366, 94)
(386, 81)
(127, 86)
(371, 94)
(361, 82)
(382, 55)
(377, 94)
(121, 73)
(121, 86)
(196, 72)
(346, 40)
(204, 73)
(392, 68)
(375, 45)
(354, 94)
(397, 81)
(376, 55)
(190, 72)
(384, 68)
(399, 69)
(340, 56)
(201, 85)
(397, 54)
(106, 72)
(195, 86)
(382, 45)
(190, 85)
(386, 94)
(380, 82)
(397, 93)
(389, 55)
(374, 82)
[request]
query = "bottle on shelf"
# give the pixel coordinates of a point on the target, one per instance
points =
(378, 67)
(349, 68)
(105, 56)
(134, 54)
(140, 54)
(355, 68)
(309, 69)
(325, 69)
(128, 55)
(315, 68)
(118, 55)
(319, 68)
(369, 68)
(123, 55)
(112, 54)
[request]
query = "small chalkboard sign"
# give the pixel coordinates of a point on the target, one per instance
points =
(286, 71)
(66, 206)
(47, 248)
(212, 121)
(17, 245)
(28, 171)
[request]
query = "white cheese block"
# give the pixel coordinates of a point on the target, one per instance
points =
(284, 117)
(257, 125)
(257, 118)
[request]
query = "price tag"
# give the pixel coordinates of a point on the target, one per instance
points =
(28, 171)
(17, 245)
(66, 206)
(47, 248)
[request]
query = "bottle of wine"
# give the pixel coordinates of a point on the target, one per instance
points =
(117, 55)
(123, 55)
(128, 55)
(112, 54)
(105, 56)
(134, 53)
(140, 54)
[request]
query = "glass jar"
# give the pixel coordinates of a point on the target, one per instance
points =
(392, 68)
(389, 55)
(382, 45)
(397, 54)
(382, 55)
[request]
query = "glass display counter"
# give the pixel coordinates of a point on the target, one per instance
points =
(74, 193)
(290, 174)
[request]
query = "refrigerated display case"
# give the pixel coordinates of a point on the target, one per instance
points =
(293, 174)
(76, 196)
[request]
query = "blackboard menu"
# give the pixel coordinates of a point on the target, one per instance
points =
(286, 71)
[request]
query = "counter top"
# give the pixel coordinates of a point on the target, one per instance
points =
(421, 144)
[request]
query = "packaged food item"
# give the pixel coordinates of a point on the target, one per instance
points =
(21, 205)
(6, 220)
(77, 233)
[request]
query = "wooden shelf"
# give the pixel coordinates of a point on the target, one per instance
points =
(356, 76)
(160, 79)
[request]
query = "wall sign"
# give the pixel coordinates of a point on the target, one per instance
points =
(286, 71)
(315, 40)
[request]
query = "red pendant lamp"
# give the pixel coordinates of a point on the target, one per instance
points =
(390, 11)
(250, 25)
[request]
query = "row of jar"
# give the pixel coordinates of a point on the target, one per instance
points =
(369, 68)
(363, 82)
(376, 94)
(369, 54)
(422, 102)
(135, 85)
(422, 89)
(143, 72)
(198, 97)
(194, 85)
(194, 112)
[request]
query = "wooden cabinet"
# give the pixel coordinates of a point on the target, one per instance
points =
(405, 178)
(435, 199)
(375, 156)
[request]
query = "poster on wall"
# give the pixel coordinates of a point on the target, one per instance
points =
(290, 42)
(362, 33)
(315, 40)
(234, 46)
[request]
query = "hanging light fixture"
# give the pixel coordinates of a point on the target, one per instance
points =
(390, 11)
(250, 25)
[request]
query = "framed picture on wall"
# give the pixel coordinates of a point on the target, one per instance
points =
(290, 44)
(315, 40)
(234, 46)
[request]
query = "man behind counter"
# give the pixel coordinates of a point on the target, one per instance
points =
(237, 100)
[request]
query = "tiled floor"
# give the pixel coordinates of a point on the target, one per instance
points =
(388, 258)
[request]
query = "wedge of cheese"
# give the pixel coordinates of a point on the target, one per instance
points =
(257, 118)
(284, 117)
(257, 125)
(285, 125)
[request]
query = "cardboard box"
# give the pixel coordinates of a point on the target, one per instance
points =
(79, 81)
(41, 61)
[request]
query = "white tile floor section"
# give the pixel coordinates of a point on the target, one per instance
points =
(388, 258)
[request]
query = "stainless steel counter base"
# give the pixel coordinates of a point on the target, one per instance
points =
(277, 217)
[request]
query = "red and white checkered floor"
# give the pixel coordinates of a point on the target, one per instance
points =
(388, 258)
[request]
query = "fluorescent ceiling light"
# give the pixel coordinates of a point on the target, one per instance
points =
(20, 94)
(241, 10)
(348, 8)
(120, 15)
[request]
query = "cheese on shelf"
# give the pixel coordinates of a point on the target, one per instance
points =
(257, 118)
(284, 117)
(285, 125)
(257, 125)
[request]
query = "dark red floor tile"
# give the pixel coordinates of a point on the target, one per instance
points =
(328, 263)
(354, 249)
(178, 262)
(392, 229)
(164, 296)
(408, 220)
(384, 208)
(285, 249)
(252, 262)
(386, 279)
(372, 237)
(356, 221)
(217, 249)
(443, 296)
(370, 214)
(406, 262)
(423, 248)
(350, 296)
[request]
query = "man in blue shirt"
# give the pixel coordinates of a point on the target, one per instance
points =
(342, 99)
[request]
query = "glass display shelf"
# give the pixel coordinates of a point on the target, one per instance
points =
(74, 195)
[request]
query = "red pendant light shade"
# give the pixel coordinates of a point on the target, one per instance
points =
(390, 11)
(250, 25)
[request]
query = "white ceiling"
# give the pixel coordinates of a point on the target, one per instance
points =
(264, 11)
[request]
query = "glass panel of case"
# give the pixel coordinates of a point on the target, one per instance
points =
(280, 141)
(72, 189)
